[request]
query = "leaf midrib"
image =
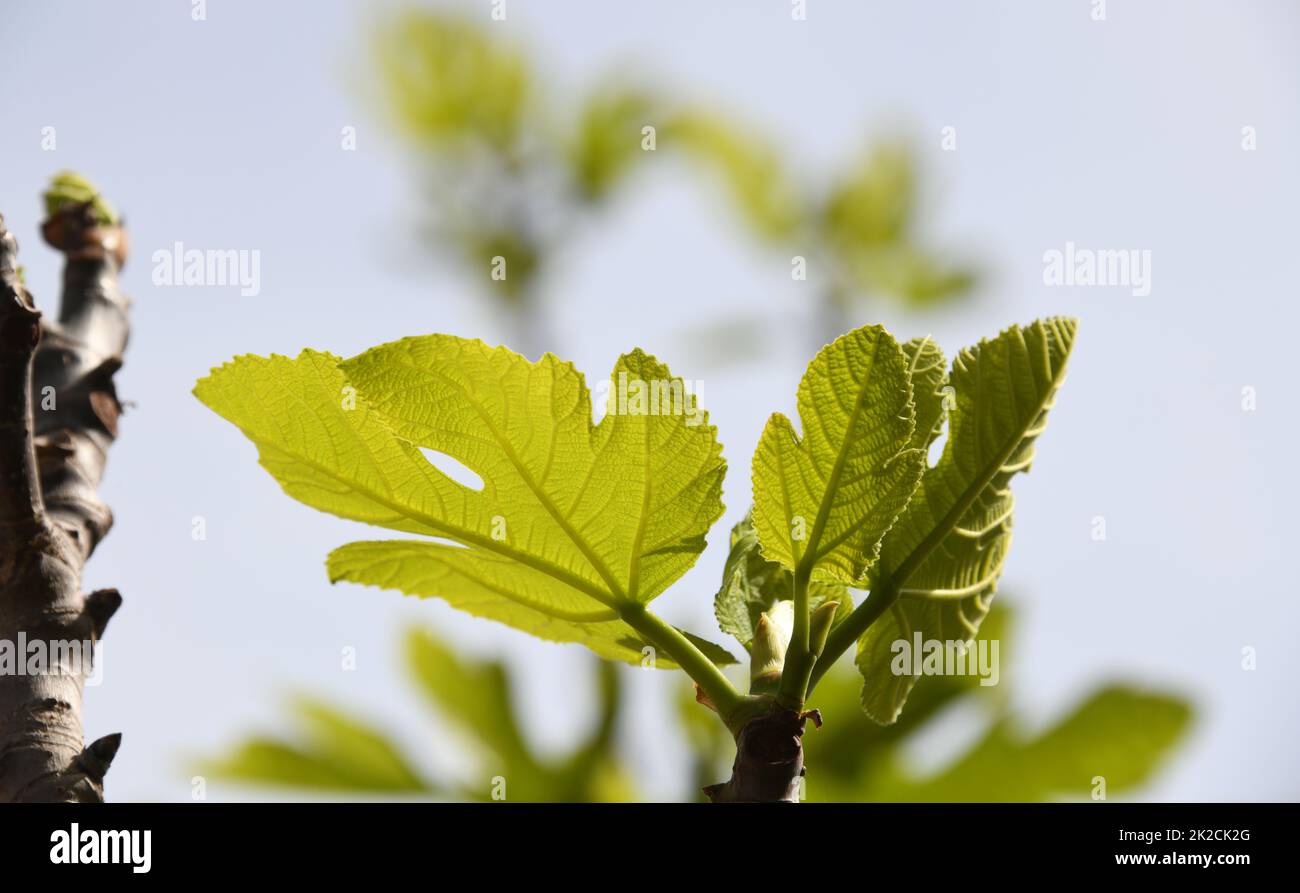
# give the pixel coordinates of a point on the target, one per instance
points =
(634, 561)
(810, 556)
(503, 591)
(551, 570)
(951, 518)
(615, 590)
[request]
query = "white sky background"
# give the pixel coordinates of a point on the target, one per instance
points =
(1117, 134)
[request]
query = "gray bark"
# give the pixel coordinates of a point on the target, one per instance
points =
(58, 418)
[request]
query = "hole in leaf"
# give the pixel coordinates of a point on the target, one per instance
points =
(453, 468)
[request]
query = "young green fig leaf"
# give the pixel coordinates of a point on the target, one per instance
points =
(573, 524)
(928, 371)
(823, 501)
(752, 585)
(946, 551)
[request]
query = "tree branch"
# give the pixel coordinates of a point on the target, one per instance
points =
(60, 412)
(769, 760)
(20, 330)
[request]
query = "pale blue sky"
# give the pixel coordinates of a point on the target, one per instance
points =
(1117, 134)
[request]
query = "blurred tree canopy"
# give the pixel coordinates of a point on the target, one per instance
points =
(473, 703)
(510, 169)
(1118, 732)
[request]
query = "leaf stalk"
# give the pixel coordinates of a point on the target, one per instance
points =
(878, 601)
(691, 659)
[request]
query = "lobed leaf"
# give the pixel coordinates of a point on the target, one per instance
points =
(824, 501)
(928, 372)
(573, 520)
(946, 551)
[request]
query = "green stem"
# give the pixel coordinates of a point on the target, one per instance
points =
(880, 600)
(681, 649)
(798, 657)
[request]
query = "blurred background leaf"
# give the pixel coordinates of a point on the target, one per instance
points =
(752, 171)
(606, 142)
(868, 220)
(334, 753)
(451, 86)
(1118, 732)
(509, 172)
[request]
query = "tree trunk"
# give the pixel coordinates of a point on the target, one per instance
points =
(58, 417)
(769, 760)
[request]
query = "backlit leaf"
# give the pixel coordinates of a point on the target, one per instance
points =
(573, 520)
(947, 549)
(824, 500)
(751, 585)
